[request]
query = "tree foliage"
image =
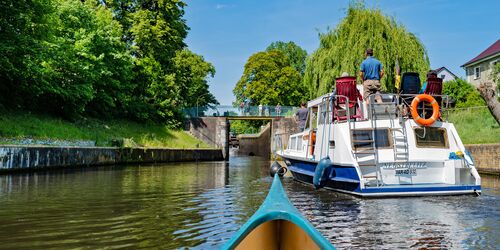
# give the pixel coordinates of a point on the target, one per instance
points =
(24, 28)
(295, 54)
(495, 75)
(464, 94)
(117, 58)
(342, 49)
(268, 79)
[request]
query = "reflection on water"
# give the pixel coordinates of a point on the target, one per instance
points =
(492, 182)
(201, 205)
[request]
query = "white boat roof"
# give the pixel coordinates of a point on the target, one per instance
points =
(317, 101)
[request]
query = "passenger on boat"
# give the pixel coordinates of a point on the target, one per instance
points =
(301, 116)
(371, 71)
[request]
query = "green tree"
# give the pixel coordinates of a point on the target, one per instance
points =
(191, 72)
(24, 28)
(87, 66)
(116, 58)
(154, 30)
(246, 127)
(342, 49)
(112, 65)
(295, 53)
(464, 94)
(269, 78)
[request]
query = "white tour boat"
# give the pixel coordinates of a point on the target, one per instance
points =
(377, 149)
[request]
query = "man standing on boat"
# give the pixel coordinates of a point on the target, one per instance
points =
(301, 115)
(371, 71)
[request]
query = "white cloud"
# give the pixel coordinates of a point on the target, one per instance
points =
(221, 6)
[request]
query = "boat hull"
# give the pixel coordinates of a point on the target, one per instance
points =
(277, 224)
(277, 234)
(345, 179)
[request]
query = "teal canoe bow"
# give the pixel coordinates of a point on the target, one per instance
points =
(277, 224)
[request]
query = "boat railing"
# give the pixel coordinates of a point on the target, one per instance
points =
(399, 105)
(329, 115)
(443, 101)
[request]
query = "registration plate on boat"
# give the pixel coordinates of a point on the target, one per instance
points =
(408, 171)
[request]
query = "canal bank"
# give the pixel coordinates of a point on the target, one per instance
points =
(486, 157)
(23, 158)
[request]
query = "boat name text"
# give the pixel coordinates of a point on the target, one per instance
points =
(405, 165)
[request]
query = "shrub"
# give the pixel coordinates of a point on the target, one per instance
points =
(464, 94)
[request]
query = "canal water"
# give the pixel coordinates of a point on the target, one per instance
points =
(200, 205)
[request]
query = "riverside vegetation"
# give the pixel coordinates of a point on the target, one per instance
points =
(108, 133)
(119, 59)
(92, 70)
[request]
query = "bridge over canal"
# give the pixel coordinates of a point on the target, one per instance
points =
(211, 124)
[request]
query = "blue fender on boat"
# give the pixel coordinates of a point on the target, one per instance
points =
(319, 174)
(276, 206)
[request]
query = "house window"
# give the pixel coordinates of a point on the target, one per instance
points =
(442, 76)
(477, 72)
(431, 137)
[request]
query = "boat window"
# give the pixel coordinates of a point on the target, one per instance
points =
(362, 138)
(324, 114)
(293, 143)
(430, 137)
(312, 118)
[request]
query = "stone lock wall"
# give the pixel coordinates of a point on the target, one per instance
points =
(14, 158)
(212, 130)
(486, 157)
(256, 144)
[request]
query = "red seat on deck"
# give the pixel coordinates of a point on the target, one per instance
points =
(346, 87)
(434, 86)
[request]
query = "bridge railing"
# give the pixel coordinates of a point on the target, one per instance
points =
(249, 111)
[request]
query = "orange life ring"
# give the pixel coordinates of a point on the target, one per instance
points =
(312, 142)
(435, 109)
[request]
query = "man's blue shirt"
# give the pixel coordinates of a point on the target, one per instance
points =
(371, 67)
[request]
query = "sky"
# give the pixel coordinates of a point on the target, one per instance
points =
(226, 33)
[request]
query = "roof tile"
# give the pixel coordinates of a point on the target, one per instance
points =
(493, 49)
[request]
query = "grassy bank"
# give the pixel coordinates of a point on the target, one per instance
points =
(104, 133)
(475, 125)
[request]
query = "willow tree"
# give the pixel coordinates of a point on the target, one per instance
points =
(342, 49)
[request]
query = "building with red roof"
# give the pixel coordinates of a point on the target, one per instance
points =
(478, 70)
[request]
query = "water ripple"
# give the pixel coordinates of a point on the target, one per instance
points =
(200, 206)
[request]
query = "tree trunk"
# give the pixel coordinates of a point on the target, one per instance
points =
(488, 93)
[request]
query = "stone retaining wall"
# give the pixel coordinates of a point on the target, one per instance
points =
(486, 157)
(13, 158)
(212, 130)
(256, 144)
